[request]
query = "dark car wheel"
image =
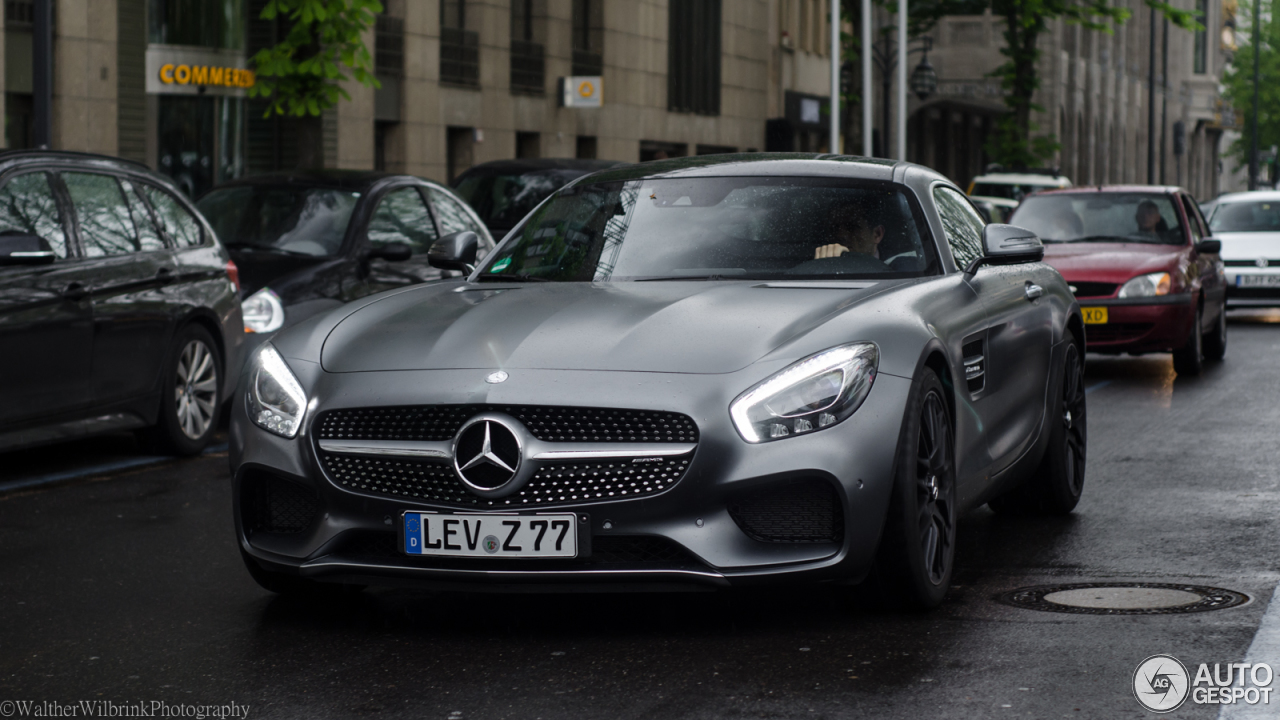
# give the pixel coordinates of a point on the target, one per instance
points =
(1189, 359)
(1058, 481)
(1215, 346)
(917, 550)
(189, 394)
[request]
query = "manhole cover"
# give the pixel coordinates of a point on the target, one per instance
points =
(1123, 598)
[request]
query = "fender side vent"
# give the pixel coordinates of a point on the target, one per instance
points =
(975, 365)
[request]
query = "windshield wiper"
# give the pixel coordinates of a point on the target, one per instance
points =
(266, 249)
(517, 277)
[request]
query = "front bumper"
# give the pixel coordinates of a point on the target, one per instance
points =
(1242, 292)
(1137, 325)
(352, 536)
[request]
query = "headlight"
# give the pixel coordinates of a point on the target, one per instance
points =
(809, 395)
(262, 312)
(1149, 285)
(276, 401)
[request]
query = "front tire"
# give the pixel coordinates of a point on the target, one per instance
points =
(1189, 359)
(189, 394)
(1215, 346)
(916, 556)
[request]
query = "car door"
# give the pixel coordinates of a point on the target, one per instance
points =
(46, 319)
(965, 333)
(131, 311)
(1208, 268)
(1018, 340)
(401, 216)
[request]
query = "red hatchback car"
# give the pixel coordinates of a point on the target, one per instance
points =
(1141, 263)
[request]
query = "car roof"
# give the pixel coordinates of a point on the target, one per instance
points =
(760, 164)
(1254, 195)
(533, 165)
(1080, 189)
(356, 180)
(1023, 179)
(22, 157)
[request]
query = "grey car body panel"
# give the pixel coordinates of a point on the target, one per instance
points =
(689, 347)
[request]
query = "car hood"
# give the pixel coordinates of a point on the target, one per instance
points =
(685, 327)
(1111, 262)
(259, 269)
(1249, 245)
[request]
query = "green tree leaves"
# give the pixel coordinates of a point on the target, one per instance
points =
(301, 73)
(1238, 86)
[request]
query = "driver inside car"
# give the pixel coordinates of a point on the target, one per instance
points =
(852, 233)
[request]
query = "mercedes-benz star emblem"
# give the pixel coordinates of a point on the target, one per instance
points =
(498, 377)
(488, 454)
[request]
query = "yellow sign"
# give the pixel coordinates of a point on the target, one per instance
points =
(205, 75)
(586, 89)
(1094, 315)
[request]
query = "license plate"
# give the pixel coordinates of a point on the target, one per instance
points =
(1094, 315)
(1258, 281)
(553, 535)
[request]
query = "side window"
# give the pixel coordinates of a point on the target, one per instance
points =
(452, 217)
(1194, 219)
(962, 225)
(105, 225)
(29, 207)
(148, 236)
(181, 227)
(402, 217)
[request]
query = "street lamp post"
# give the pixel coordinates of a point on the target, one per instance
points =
(1253, 115)
(923, 78)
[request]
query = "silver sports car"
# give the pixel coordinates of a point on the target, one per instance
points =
(697, 372)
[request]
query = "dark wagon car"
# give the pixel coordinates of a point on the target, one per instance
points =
(757, 368)
(118, 308)
(308, 241)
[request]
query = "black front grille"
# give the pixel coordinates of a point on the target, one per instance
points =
(638, 551)
(549, 424)
(275, 505)
(1093, 289)
(434, 482)
(796, 511)
(1271, 262)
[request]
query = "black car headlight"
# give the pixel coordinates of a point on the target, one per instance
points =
(276, 401)
(814, 393)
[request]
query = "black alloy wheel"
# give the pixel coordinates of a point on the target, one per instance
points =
(1215, 345)
(189, 393)
(1189, 359)
(916, 556)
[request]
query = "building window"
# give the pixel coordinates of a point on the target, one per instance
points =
(1200, 58)
(528, 64)
(588, 37)
(202, 23)
(528, 145)
(585, 147)
(459, 47)
(693, 57)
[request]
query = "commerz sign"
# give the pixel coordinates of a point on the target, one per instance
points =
(205, 75)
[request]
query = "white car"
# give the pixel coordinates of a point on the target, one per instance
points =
(1005, 190)
(1248, 224)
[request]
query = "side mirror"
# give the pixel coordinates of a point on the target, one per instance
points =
(25, 250)
(455, 251)
(1007, 245)
(1209, 246)
(393, 252)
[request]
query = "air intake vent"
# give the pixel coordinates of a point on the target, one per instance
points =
(547, 423)
(975, 365)
(274, 505)
(796, 511)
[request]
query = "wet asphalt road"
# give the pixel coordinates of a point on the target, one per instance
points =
(127, 586)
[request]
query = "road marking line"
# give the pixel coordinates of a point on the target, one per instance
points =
(51, 478)
(1264, 649)
(1096, 386)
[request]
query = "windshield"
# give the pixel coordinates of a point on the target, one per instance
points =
(716, 228)
(1101, 217)
(501, 201)
(1008, 191)
(282, 219)
(1246, 217)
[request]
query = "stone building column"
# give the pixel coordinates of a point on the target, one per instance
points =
(84, 76)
